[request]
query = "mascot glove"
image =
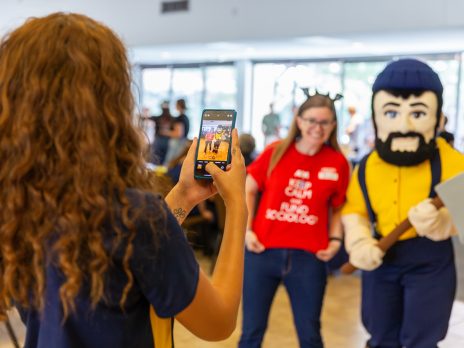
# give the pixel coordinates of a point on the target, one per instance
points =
(362, 247)
(430, 222)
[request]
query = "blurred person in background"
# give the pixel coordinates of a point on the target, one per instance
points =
(270, 126)
(247, 146)
(163, 127)
(181, 122)
(358, 136)
(162, 134)
(178, 133)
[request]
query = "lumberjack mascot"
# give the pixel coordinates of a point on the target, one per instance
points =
(407, 292)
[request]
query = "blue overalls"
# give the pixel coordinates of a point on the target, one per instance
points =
(407, 301)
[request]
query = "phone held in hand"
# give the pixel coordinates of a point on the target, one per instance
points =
(214, 141)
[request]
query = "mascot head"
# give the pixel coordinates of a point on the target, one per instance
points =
(406, 108)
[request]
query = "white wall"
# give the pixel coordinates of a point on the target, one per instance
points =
(140, 23)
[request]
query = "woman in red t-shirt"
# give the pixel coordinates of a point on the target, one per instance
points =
(296, 228)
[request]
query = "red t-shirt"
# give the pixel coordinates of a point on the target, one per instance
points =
(294, 206)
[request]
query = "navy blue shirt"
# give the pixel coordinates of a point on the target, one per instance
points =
(164, 277)
(182, 118)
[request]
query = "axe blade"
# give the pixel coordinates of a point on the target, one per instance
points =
(451, 193)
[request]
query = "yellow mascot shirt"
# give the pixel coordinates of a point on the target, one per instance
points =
(393, 190)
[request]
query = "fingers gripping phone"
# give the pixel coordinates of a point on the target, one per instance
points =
(214, 141)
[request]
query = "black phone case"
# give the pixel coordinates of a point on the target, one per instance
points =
(234, 113)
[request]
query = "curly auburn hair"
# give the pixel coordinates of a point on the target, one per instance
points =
(68, 152)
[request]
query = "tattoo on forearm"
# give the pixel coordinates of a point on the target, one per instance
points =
(179, 213)
(234, 150)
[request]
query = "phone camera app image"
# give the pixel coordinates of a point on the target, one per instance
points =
(214, 140)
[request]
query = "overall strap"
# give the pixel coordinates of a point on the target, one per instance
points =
(435, 166)
(362, 184)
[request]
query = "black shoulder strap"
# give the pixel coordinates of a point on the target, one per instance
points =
(435, 165)
(362, 184)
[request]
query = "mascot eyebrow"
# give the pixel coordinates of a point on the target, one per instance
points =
(412, 104)
(391, 104)
(419, 104)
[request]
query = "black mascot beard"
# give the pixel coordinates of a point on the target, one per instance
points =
(405, 158)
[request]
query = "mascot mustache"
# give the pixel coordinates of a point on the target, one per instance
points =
(425, 151)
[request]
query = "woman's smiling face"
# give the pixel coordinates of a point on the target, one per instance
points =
(316, 124)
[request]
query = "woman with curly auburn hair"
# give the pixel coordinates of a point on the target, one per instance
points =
(89, 253)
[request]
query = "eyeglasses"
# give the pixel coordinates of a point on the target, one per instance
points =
(325, 124)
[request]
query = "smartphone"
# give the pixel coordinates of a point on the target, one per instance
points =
(214, 141)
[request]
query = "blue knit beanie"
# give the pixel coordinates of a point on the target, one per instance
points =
(408, 74)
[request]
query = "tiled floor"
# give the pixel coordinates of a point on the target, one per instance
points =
(341, 327)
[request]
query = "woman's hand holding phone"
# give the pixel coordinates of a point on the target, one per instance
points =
(188, 190)
(230, 183)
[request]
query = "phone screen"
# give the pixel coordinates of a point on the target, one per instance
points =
(214, 141)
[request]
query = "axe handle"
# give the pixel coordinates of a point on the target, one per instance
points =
(387, 242)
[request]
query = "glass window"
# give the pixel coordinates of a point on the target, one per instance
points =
(201, 87)
(448, 69)
(356, 132)
(187, 83)
(221, 87)
(156, 83)
(280, 84)
(359, 77)
(459, 121)
(267, 90)
(156, 86)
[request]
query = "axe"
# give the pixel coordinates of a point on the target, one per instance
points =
(450, 193)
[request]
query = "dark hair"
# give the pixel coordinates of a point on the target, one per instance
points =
(181, 104)
(247, 143)
(449, 137)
